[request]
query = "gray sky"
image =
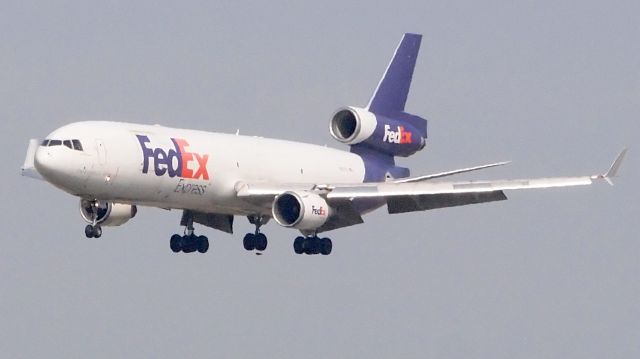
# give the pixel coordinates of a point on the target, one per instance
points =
(553, 86)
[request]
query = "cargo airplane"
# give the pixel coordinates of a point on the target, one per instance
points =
(115, 167)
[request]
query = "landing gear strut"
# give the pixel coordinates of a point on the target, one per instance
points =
(189, 242)
(256, 240)
(312, 245)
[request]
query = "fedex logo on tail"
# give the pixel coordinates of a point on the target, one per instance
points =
(177, 161)
(401, 136)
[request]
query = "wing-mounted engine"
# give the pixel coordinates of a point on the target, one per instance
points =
(106, 213)
(310, 212)
(301, 210)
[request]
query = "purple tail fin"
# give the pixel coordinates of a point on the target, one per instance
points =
(391, 94)
(396, 133)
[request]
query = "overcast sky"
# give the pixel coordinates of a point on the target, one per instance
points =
(553, 86)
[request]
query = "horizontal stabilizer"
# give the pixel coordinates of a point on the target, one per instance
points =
(449, 173)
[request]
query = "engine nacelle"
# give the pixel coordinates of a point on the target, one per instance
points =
(300, 210)
(107, 214)
(352, 125)
(402, 134)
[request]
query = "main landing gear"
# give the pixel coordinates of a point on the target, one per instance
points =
(189, 242)
(256, 240)
(312, 245)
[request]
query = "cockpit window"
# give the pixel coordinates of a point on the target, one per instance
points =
(77, 145)
(72, 144)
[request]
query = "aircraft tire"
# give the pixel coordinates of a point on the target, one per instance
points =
(176, 243)
(260, 242)
(325, 246)
(97, 232)
(203, 244)
(310, 245)
(88, 231)
(298, 247)
(249, 242)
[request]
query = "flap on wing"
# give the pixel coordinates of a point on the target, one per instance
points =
(344, 216)
(221, 222)
(402, 204)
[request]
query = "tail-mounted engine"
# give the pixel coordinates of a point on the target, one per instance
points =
(402, 135)
(106, 213)
(301, 210)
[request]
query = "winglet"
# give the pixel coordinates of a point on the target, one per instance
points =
(615, 166)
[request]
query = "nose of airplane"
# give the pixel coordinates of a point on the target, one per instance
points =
(42, 161)
(49, 164)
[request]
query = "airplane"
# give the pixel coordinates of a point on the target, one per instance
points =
(115, 167)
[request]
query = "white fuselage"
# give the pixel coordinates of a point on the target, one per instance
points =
(184, 169)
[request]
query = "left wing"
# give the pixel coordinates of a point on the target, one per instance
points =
(453, 188)
(418, 195)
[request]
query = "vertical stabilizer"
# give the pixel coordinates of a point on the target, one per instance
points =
(391, 94)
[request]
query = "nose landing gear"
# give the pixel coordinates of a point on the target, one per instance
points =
(92, 230)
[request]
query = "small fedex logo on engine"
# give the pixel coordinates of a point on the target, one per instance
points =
(400, 136)
(319, 211)
(176, 161)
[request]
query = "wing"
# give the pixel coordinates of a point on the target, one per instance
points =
(424, 195)
(420, 194)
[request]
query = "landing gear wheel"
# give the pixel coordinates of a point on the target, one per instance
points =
(88, 231)
(325, 246)
(97, 231)
(203, 244)
(310, 245)
(176, 243)
(249, 242)
(260, 242)
(298, 245)
(190, 243)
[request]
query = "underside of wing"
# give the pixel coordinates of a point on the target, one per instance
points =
(402, 204)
